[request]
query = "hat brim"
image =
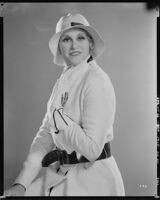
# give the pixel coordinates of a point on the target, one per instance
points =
(99, 44)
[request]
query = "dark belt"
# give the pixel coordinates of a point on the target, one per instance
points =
(64, 158)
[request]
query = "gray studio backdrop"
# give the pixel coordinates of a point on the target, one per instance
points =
(129, 31)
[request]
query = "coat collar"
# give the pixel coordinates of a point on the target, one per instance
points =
(76, 73)
(71, 77)
(66, 68)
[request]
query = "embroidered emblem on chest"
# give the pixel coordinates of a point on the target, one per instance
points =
(64, 98)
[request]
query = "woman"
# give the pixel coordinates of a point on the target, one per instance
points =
(78, 126)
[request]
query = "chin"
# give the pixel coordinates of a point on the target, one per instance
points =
(77, 61)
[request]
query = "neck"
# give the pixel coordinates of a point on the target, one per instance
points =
(68, 66)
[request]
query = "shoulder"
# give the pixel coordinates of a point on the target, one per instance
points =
(98, 77)
(99, 86)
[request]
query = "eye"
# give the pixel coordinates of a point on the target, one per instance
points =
(66, 39)
(81, 38)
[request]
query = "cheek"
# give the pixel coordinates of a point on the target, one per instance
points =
(87, 44)
(63, 49)
(86, 47)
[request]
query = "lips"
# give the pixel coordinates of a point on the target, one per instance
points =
(75, 53)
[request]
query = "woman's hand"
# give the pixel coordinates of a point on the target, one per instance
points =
(15, 190)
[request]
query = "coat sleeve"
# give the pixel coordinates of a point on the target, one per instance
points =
(97, 119)
(41, 144)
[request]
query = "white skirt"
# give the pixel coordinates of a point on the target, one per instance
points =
(98, 178)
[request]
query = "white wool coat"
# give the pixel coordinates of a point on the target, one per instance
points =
(91, 105)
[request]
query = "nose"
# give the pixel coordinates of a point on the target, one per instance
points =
(74, 44)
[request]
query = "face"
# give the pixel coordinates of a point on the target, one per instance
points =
(74, 46)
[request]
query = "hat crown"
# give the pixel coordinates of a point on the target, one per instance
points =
(69, 21)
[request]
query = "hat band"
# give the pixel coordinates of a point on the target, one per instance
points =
(75, 24)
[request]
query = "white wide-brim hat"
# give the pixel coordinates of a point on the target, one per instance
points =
(71, 21)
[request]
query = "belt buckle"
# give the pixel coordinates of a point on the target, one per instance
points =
(62, 156)
(65, 157)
